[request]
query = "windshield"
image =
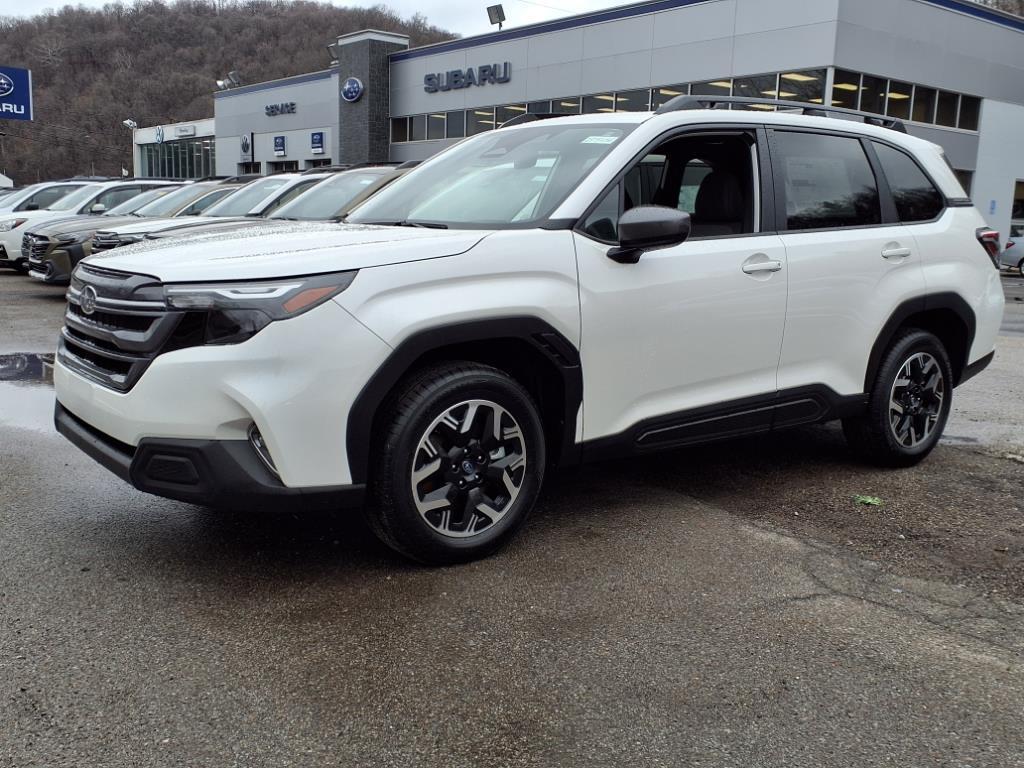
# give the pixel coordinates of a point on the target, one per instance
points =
(246, 198)
(172, 201)
(496, 179)
(328, 198)
(132, 204)
(14, 198)
(76, 198)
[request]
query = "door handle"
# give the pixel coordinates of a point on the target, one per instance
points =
(761, 266)
(895, 253)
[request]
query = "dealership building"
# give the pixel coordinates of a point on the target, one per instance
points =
(952, 70)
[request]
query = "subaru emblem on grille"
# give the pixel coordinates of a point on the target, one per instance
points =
(87, 300)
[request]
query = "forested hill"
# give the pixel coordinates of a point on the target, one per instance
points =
(155, 63)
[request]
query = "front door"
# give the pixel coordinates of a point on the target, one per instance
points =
(694, 326)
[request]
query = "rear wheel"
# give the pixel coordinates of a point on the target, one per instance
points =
(460, 464)
(908, 404)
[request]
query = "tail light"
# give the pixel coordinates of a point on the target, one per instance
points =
(989, 239)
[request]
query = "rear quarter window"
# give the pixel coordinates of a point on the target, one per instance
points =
(915, 196)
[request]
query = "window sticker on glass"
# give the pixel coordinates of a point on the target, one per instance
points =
(600, 140)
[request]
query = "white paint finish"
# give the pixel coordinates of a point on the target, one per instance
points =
(694, 24)
(682, 328)
(513, 272)
(757, 15)
(841, 292)
(373, 34)
(282, 249)
(275, 378)
(952, 264)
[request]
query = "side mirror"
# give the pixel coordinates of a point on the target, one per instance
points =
(647, 227)
(98, 208)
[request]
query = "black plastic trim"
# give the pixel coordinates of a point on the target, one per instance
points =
(542, 336)
(907, 309)
(217, 473)
(722, 421)
(959, 202)
(977, 367)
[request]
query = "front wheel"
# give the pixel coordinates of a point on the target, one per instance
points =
(908, 404)
(459, 465)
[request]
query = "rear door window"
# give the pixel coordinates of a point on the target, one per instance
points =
(826, 181)
(915, 196)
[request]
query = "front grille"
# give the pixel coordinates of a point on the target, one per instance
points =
(34, 246)
(103, 241)
(129, 327)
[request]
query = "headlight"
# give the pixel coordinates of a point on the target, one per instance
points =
(7, 226)
(235, 312)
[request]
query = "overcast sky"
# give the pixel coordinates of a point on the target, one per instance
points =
(466, 17)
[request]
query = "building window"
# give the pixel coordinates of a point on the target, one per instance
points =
(435, 126)
(924, 104)
(283, 166)
(181, 159)
(846, 89)
(601, 102)
(418, 128)
(455, 124)
(249, 169)
(872, 94)
(399, 129)
(945, 114)
(970, 111)
(320, 162)
(504, 114)
(633, 101)
(759, 87)
(828, 182)
(666, 93)
(539, 107)
(479, 120)
(898, 100)
(807, 85)
(569, 106)
(966, 179)
(712, 88)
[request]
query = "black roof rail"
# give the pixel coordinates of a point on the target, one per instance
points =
(529, 117)
(812, 110)
(407, 164)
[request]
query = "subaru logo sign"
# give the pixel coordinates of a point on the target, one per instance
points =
(6, 85)
(352, 89)
(15, 93)
(87, 300)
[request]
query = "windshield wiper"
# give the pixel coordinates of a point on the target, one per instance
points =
(409, 223)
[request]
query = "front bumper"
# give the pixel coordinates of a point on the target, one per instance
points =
(54, 268)
(217, 473)
(295, 380)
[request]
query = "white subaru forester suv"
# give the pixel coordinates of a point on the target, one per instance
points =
(561, 290)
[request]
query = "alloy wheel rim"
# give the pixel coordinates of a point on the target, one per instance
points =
(468, 468)
(916, 400)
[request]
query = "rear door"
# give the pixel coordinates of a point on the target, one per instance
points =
(850, 261)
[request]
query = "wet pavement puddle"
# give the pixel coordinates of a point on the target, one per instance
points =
(26, 391)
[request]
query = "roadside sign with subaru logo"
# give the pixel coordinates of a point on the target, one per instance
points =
(279, 150)
(317, 142)
(352, 89)
(15, 93)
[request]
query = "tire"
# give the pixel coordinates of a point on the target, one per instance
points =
(444, 418)
(915, 377)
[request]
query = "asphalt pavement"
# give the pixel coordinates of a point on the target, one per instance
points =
(728, 606)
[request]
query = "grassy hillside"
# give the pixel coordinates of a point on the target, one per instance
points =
(156, 63)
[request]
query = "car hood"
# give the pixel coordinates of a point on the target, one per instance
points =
(146, 225)
(284, 250)
(81, 223)
(39, 215)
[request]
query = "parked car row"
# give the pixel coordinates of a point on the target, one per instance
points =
(49, 228)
